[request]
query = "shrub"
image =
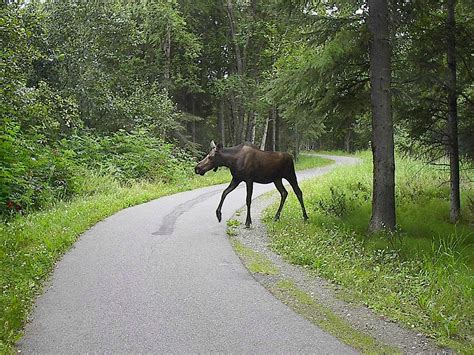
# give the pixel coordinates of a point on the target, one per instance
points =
(131, 156)
(34, 175)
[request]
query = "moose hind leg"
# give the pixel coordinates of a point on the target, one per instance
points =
(248, 221)
(233, 184)
(284, 194)
(294, 184)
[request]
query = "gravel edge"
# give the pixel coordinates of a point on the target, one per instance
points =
(322, 291)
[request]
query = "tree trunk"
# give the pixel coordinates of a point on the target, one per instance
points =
(240, 121)
(233, 121)
(274, 117)
(277, 130)
(237, 120)
(347, 140)
(265, 132)
(221, 121)
(455, 210)
(238, 105)
(233, 32)
(383, 200)
(298, 138)
(252, 126)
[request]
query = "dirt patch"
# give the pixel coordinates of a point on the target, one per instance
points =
(360, 317)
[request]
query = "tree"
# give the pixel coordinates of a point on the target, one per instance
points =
(120, 60)
(383, 198)
(433, 75)
(455, 198)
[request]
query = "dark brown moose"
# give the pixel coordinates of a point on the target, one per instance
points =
(250, 164)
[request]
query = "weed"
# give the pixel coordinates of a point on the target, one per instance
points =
(232, 224)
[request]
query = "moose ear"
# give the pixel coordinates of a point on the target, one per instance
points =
(213, 145)
(219, 146)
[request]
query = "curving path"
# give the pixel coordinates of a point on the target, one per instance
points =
(162, 277)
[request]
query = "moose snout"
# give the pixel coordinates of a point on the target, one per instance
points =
(198, 170)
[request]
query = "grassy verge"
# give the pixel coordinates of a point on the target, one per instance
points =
(341, 153)
(308, 161)
(287, 292)
(30, 245)
(255, 262)
(422, 275)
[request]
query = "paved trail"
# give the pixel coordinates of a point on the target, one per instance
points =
(162, 277)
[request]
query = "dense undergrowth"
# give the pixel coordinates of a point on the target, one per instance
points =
(36, 174)
(105, 175)
(422, 275)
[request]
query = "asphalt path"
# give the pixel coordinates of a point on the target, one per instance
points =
(162, 277)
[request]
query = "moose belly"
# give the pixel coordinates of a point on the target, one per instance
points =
(264, 180)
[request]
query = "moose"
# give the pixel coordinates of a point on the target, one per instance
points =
(250, 164)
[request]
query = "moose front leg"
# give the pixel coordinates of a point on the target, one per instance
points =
(233, 184)
(248, 221)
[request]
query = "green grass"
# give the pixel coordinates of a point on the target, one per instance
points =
(304, 304)
(255, 262)
(330, 152)
(287, 292)
(31, 245)
(422, 275)
(308, 161)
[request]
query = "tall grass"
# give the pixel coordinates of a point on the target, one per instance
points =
(422, 275)
(310, 161)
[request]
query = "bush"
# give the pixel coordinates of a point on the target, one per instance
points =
(131, 156)
(34, 175)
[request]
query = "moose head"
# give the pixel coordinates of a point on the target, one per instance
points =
(210, 161)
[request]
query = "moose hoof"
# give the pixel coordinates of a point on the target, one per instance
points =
(276, 218)
(247, 225)
(219, 215)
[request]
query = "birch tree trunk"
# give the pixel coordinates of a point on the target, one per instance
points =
(347, 140)
(265, 131)
(383, 200)
(455, 198)
(252, 127)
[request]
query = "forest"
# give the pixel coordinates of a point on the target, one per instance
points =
(83, 82)
(104, 96)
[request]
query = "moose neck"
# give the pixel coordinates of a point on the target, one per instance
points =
(227, 157)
